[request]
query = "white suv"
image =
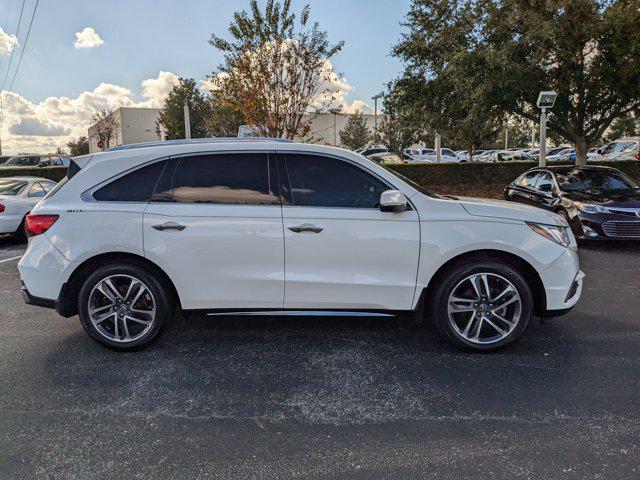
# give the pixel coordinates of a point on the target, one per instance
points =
(271, 227)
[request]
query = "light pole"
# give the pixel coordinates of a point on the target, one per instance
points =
(546, 100)
(335, 112)
(187, 121)
(375, 109)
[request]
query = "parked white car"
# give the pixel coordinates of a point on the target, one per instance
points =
(18, 195)
(264, 227)
(418, 155)
(621, 149)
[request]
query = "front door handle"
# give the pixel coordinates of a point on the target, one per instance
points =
(169, 226)
(306, 227)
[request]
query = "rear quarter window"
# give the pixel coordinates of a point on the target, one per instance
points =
(136, 186)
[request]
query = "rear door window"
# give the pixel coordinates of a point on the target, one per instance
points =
(528, 180)
(226, 178)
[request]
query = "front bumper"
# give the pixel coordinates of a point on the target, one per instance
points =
(562, 282)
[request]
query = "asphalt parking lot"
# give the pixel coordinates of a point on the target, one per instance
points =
(326, 398)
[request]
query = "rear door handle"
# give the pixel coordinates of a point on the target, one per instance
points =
(169, 226)
(306, 227)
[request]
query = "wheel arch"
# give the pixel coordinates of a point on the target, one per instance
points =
(525, 268)
(67, 304)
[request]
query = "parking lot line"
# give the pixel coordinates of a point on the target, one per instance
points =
(10, 259)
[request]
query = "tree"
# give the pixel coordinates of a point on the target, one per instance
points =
(274, 68)
(105, 126)
(223, 120)
(356, 133)
(628, 126)
(171, 118)
(79, 146)
(503, 52)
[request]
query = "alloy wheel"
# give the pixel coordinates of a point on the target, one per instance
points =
(122, 308)
(484, 308)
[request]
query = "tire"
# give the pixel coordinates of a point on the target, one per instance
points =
(452, 320)
(124, 328)
(21, 234)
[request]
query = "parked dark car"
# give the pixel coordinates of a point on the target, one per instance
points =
(4, 158)
(598, 202)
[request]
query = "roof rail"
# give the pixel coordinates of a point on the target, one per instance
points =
(190, 141)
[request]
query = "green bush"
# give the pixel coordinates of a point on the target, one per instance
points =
(52, 173)
(484, 174)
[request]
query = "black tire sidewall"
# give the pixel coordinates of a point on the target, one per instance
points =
(163, 304)
(457, 274)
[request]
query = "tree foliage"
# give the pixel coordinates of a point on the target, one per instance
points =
(356, 133)
(628, 126)
(275, 67)
(223, 119)
(171, 118)
(499, 54)
(79, 146)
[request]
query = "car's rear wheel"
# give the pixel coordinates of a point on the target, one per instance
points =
(482, 305)
(124, 306)
(21, 234)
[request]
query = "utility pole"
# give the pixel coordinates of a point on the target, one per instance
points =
(546, 100)
(187, 120)
(506, 137)
(437, 148)
(335, 111)
(375, 109)
(533, 135)
(543, 137)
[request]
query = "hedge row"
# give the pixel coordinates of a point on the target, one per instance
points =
(472, 179)
(479, 175)
(52, 173)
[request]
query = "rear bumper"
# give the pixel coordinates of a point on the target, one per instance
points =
(36, 301)
(9, 224)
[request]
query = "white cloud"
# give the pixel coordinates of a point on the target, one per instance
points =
(33, 126)
(43, 126)
(87, 38)
(334, 91)
(7, 42)
(155, 90)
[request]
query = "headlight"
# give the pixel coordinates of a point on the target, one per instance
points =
(554, 233)
(587, 208)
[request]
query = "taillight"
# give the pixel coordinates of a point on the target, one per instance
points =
(38, 224)
(638, 156)
(1, 208)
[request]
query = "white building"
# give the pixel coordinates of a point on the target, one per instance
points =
(136, 125)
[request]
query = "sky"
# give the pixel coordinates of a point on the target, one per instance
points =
(84, 55)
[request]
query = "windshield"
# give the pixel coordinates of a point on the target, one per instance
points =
(31, 161)
(594, 180)
(415, 185)
(11, 187)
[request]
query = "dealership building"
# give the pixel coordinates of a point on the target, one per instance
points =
(134, 125)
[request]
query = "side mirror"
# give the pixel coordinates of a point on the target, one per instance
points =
(393, 201)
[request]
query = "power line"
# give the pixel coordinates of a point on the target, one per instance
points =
(24, 46)
(6, 75)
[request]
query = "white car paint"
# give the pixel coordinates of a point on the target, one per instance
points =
(247, 257)
(17, 206)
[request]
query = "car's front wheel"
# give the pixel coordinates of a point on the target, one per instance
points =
(482, 305)
(124, 306)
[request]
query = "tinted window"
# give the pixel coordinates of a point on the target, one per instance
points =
(579, 179)
(136, 186)
(11, 187)
(327, 182)
(23, 162)
(232, 179)
(545, 182)
(528, 180)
